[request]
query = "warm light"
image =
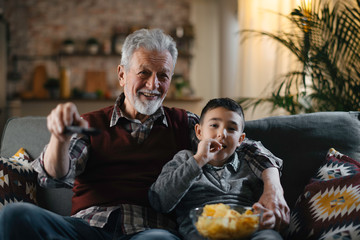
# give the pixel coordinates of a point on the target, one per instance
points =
(305, 4)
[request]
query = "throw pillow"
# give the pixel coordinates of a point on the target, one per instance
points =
(329, 207)
(17, 179)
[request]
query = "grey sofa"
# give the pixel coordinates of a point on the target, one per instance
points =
(31, 133)
(302, 141)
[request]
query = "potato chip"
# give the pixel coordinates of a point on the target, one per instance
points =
(219, 221)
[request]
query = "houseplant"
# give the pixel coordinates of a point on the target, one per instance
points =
(68, 46)
(326, 41)
(92, 45)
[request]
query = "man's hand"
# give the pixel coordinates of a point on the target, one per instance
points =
(268, 220)
(56, 160)
(64, 115)
(273, 198)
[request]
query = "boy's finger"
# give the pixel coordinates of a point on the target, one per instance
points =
(214, 145)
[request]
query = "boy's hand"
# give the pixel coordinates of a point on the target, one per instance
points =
(268, 218)
(206, 151)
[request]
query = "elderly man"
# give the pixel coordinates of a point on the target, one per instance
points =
(111, 173)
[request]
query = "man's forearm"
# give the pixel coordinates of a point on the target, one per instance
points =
(273, 197)
(56, 158)
(271, 179)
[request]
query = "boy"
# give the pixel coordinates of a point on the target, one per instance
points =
(217, 172)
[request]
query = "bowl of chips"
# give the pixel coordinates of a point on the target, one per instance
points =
(221, 221)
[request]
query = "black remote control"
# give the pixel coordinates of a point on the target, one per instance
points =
(86, 131)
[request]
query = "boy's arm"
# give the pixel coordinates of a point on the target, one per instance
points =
(174, 181)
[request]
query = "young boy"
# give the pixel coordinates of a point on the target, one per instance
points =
(216, 173)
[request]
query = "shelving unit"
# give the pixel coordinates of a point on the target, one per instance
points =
(80, 61)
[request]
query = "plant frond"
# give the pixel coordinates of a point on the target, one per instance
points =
(326, 41)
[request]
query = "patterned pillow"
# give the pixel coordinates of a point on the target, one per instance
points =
(17, 179)
(329, 207)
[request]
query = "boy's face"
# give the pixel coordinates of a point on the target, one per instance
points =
(224, 126)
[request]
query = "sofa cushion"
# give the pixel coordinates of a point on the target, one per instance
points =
(330, 204)
(17, 179)
(32, 134)
(303, 140)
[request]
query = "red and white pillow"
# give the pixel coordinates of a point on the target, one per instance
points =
(17, 179)
(329, 207)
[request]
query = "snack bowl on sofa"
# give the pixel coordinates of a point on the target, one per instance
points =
(221, 221)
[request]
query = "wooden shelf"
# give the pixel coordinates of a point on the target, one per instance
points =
(182, 54)
(86, 54)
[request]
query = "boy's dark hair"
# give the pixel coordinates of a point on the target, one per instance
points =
(226, 103)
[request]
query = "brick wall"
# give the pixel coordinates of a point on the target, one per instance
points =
(38, 27)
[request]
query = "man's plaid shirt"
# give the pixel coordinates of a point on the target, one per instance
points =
(136, 218)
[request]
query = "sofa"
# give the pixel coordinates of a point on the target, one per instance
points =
(302, 141)
(31, 133)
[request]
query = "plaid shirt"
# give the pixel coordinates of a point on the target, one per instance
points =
(132, 216)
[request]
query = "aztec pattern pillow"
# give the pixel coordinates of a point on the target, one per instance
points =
(17, 179)
(329, 207)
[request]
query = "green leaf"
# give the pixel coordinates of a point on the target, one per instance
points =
(326, 43)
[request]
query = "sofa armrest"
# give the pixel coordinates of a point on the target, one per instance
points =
(32, 134)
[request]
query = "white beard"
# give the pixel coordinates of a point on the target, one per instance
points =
(145, 107)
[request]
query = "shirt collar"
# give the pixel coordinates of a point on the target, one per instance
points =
(234, 163)
(118, 113)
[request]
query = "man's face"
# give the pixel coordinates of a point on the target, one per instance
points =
(146, 82)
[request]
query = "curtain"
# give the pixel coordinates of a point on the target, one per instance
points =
(261, 59)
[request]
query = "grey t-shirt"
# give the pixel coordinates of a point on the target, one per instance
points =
(183, 185)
